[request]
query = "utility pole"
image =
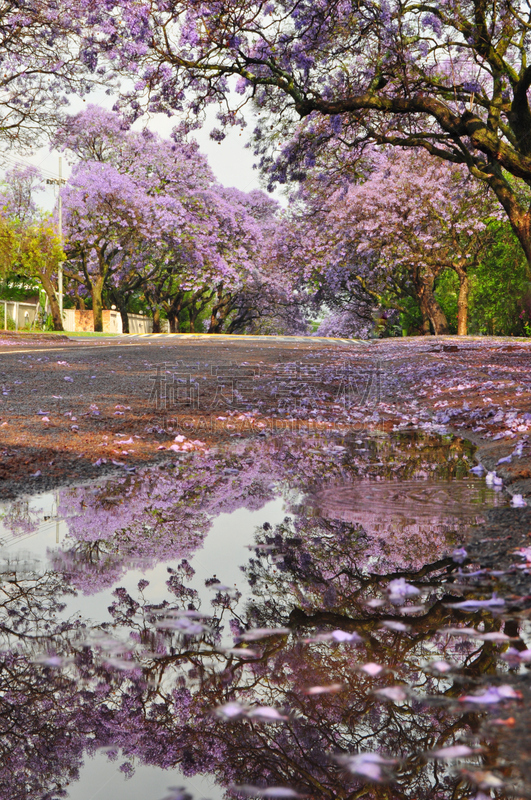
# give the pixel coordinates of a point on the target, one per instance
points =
(60, 270)
(59, 182)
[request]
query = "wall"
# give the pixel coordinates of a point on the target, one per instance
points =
(22, 314)
(75, 320)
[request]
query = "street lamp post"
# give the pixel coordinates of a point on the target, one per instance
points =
(59, 182)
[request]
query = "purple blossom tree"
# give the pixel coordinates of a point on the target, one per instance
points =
(145, 214)
(369, 244)
(133, 204)
(45, 59)
(450, 78)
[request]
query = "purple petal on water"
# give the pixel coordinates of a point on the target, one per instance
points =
(266, 713)
(454, 751)
(344, 636)
(460, 632)
(459, 555)
(493, 694)
(441, 666)
(399, 590)
(495, 636)
(331, 688)
(268, 791)
(371, 668)
(367, 765)
(262, 633)
(394, 693)
(231, 710)
(393, 625)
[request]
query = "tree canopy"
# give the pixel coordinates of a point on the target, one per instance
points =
(451, 78)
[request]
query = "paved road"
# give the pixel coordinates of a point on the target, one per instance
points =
(64, 403)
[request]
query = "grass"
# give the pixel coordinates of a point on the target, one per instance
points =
(83, 333)
(26, 332)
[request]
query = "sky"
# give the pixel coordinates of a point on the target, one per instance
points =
(230, 160)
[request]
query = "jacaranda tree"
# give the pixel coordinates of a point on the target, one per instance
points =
(145, 214)
(46, 56)
(370, 244)
(451, 78)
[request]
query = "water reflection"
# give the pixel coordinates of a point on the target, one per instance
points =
(342, 665)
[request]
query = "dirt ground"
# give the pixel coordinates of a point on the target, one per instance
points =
(74, 410)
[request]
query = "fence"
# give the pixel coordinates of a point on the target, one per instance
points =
(76, 320)
(22, 315)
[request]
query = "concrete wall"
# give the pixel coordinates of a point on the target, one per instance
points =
(76, 320)
(69, 319)
(22, 314)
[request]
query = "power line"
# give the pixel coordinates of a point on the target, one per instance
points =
(19, 162)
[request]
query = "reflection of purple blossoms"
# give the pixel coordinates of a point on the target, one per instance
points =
(323, 678)
(152, 515)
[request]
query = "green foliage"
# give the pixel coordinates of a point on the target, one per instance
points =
(40, 251)
(410, 317)
(10, 322)
(501, 289)
(446, 294)
(18, 288)
(201, 320)
(499, 297)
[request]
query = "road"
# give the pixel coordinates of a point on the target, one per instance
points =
(77, 408)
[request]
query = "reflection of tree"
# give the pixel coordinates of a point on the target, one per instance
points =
(148, 683)
(41, 743)
(19, 518)
(298, 751)
(158, 515)
(151, 687)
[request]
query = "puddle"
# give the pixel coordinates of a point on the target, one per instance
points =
(288, 617)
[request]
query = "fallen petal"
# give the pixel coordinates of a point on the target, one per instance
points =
(394, 693)
(269, 791)
(333, 687)
(231, 710)
(262, 633)
(454, 751)
(372, 669)
(266, 713)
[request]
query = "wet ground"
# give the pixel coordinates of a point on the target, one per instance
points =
(287, 616)
(66, 404)
(265, 569)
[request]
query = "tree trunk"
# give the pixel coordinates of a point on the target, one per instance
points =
(54, 303)
(174, 323)
(79, 302)
(193, 313)
(122, 307)
(220, 311)
(214, 326)
(431, 310)
(97, 307)
(462, 305)
(519, 218)
(156, 320)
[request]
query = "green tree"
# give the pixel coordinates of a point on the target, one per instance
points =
(501, 288)
(32, 251)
